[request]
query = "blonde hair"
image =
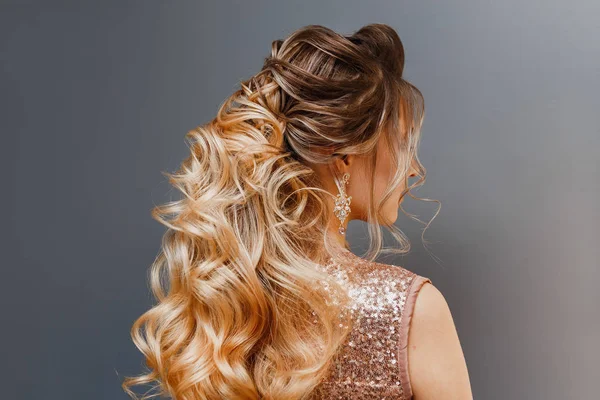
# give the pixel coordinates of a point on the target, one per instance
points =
(243, 310)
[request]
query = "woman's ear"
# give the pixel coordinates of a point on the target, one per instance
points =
(349, 159)
(344, 162)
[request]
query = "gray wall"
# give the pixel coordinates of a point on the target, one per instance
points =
(96, 99)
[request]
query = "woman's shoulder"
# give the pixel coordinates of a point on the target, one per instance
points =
(427, 333)
(430, 337)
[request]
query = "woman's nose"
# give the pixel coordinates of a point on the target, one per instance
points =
(412, 172)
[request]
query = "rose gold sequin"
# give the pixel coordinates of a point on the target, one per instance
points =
(372, 363)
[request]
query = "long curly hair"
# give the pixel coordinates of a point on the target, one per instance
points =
(243, 310)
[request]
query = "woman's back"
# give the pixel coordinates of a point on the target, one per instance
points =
(373, 361)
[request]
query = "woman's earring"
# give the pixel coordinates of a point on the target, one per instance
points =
(342, 203)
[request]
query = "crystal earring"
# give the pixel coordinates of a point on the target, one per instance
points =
(342, 203)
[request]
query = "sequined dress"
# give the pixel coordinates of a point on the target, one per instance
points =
(372, 363)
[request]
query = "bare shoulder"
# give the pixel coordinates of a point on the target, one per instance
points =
(436, 362)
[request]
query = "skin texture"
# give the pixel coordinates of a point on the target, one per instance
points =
(437, 366)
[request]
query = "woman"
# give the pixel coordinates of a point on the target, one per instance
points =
(258, 295)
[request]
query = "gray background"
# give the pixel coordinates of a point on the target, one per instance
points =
(96, 100)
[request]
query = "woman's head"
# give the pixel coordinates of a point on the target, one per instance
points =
(344, 106)
(244, 309)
